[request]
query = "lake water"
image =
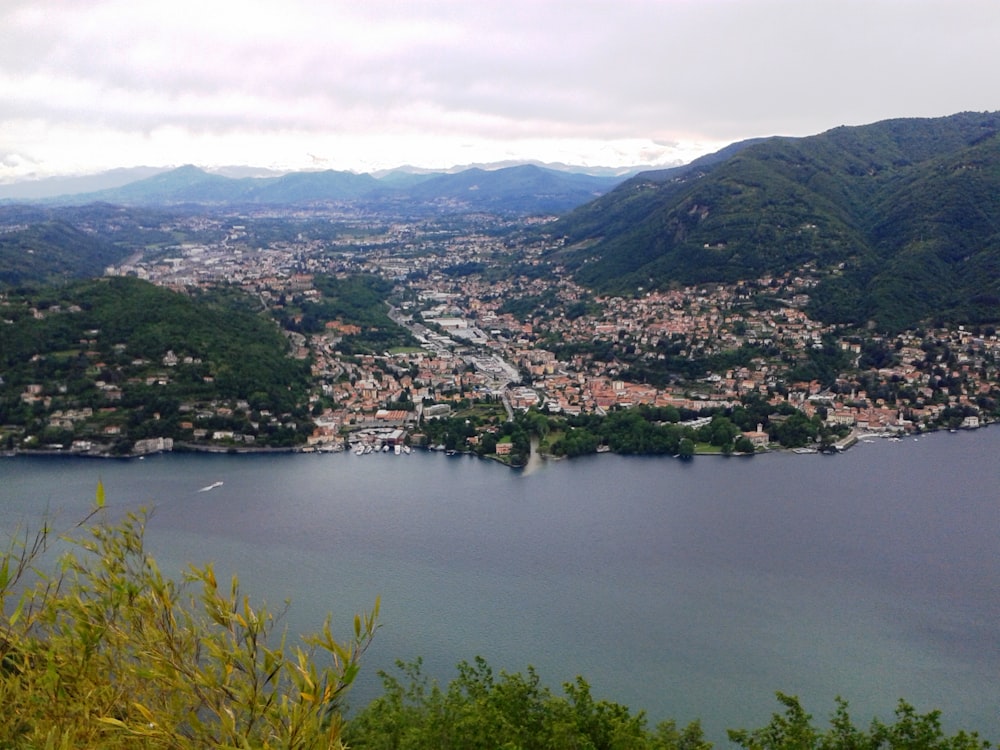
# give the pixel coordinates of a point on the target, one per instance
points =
(688, 589)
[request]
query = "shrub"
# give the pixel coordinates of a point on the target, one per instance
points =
(104, 651)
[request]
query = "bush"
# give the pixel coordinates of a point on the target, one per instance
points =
(482, 710)
(106, 652)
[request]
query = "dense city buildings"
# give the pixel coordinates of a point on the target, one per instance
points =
(496, 317)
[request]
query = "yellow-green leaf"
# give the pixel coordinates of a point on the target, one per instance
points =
(16, 614)
(146, 713)
(100, 494)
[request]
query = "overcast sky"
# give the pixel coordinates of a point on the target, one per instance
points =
(364, 85)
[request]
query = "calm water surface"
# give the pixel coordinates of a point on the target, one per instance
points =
(691, 590)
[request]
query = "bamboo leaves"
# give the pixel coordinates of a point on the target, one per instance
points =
(110, 653)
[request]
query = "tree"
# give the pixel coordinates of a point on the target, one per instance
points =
(107, 652)
(796, 431)
(479, 709)
(794, 730)
(721, 431)
(686, 448)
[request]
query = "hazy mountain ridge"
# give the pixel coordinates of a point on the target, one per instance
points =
(522, 188)
(907, 207)
(50, 187)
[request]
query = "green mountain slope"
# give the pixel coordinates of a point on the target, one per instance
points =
(155, 348)
(525, 188)
(899, 218)
(52, 251)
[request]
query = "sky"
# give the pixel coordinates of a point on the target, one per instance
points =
(365, 85)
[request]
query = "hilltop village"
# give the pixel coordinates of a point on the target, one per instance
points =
(493, 318)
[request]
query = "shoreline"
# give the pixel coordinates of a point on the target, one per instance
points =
(186, 448)
(839, 447)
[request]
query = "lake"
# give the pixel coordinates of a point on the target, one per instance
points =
(688, 589)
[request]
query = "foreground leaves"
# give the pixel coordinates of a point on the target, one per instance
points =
(107, 652)
(793, 730)
(481, 710)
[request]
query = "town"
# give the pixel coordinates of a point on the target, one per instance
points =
(494, 318)
(539, 340)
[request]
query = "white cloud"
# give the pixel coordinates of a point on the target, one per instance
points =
(110, 82)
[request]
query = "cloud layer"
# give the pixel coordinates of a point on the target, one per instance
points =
(96, 84)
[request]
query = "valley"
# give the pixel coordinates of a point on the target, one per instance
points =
(771, 308)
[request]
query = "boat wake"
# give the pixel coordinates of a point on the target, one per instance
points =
(212, 486)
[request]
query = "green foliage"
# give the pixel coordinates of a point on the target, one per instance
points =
(119, 330)
(685, 448)
(793, 730)
(670, 363)
(479, 709)
(358, 300)
(524, 307)
(451, 432)
(797, 431)
(548, 304)
(104, 651)
(575, 442)
(52, 251)
(824, 362)
(899, 219)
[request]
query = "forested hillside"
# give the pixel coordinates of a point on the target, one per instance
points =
(898, 220)
(356, 305)
(53, 251)
(42, 245)
(121, 358)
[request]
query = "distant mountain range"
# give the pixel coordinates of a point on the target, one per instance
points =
(50, 187)
(520, 189)
(901, 219)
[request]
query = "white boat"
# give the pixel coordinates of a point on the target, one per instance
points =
(359, 450)
(397, 449)
(406, 450)
(212, 486)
